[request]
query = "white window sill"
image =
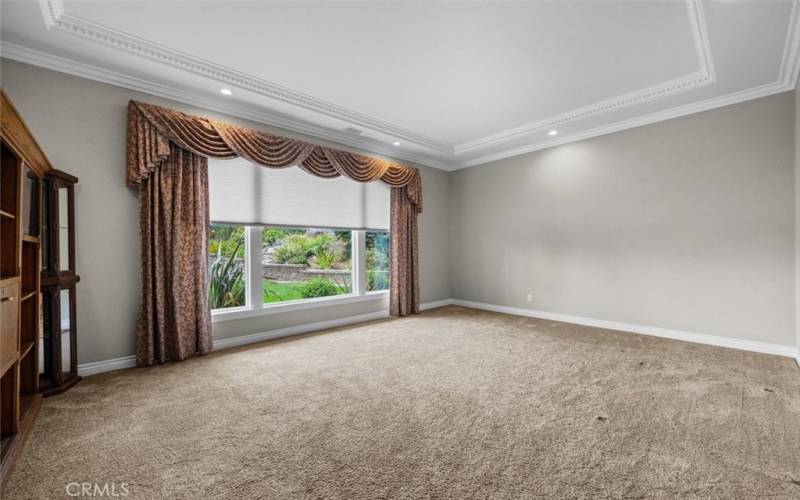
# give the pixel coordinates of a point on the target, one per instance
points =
(293, 305)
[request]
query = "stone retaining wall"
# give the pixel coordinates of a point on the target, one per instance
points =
(300, 272)
(285, 272)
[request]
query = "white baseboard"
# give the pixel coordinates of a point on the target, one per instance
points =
(436, 304)
(297, 330)
(219, 344)
(697, 338)
(313, 327)
(108, 365)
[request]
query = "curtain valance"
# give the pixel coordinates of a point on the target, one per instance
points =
(151, 129)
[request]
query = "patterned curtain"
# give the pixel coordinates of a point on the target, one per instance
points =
(174, 318)
(168, 155)
(404, 290)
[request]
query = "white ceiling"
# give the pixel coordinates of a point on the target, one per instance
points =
(456, 83)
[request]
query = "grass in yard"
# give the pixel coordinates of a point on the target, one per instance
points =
(279, 291)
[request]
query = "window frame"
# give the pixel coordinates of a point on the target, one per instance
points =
(254, 305)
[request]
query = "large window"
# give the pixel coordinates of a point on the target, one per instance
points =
(279, 240)
(255, 266)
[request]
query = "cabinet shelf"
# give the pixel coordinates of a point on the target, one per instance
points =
(6, 369)
(27, 238)
(7, 215)
(27, 348)
(8, 280)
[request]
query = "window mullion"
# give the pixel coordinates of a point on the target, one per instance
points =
(359, 262)
(254, 269)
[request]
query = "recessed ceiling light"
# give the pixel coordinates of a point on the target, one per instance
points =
(396, 143)
(553, 132)
(225, 91)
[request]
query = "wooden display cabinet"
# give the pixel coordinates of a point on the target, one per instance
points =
(29, 187)
(22, 168)
(59, 354)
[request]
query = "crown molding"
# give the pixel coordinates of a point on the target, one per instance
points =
(83, 70)
(689, 82)
(787, 80)
(677, 112)
(790, 61)
(706, 75)
(55, 17)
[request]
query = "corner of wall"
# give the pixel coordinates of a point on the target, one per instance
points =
(450, 236)
(797, 218)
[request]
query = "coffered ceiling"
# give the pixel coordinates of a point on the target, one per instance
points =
(454, 83)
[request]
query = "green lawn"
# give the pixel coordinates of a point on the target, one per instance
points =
(280, 291)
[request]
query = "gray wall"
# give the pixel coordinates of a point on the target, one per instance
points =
(797, 218)
(686, 224)
(81, 126)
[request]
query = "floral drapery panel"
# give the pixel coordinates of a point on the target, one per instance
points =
(404, 286)
(167, 159)
(174, 318)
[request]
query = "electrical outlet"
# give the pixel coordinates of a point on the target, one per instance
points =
(529, 297)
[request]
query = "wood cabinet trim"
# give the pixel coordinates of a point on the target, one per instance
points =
(16, 133)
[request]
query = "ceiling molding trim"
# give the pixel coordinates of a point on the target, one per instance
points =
(706, 75)
(790, 61)
(702, 45)
(83, 70)
(689, 82)
(787, 80)
(677, 112)
(51, 12)
(56, 17)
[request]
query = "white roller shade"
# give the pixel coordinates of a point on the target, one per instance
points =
(244, 193)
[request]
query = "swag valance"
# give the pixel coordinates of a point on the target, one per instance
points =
(151, 129)
(167, 160)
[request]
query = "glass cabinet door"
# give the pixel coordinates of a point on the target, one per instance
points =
(31, 207)
(63, 229)
(59, 279)
(66, 330)
(45, 229)
(48, 336)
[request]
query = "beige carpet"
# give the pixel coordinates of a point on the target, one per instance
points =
(455, 403)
